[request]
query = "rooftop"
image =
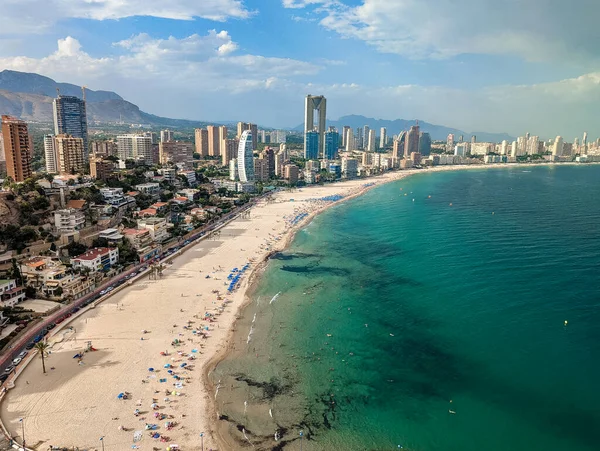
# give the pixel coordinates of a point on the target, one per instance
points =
(93, 254)
(135, 231)
(76, 204)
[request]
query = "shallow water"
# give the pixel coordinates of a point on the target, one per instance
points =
(393, 313)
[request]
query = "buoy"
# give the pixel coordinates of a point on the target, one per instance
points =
(429, 197)
(450, 203)
(413, 200)
(566, 322)
(493, 213)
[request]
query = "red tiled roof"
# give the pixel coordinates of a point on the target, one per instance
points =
(92, 254)
(159, 204)
(147, 211)
(76, 204)
(135, 231)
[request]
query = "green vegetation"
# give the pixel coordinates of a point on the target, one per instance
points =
(42, 348)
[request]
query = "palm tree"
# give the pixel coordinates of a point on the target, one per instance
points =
(42, 349)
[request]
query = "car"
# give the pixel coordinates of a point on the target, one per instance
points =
(38, 338)
(103, 292)
(16, 361)
(23, 354)
(30, 346)
(60, 320)
(9, 369)
(3, 377)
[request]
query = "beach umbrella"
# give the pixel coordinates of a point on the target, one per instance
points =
(150, 369)
(120, 395)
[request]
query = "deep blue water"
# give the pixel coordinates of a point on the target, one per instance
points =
(453, 302)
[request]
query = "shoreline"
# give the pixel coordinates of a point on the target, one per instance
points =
(218, 432)
(219, 347)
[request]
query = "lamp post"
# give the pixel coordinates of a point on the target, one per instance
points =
(102, 441)
(301, 438)
(202, 440)
(22, 420)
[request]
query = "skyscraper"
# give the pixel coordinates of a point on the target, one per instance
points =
(399, 144)
(318, 103)
(557, 148)
(412, 141)
(70, 118)
(311, 145)
(50, 154)
(450, 143)
(253, 128)
(424, 144)
(382, 138)
(70, 154)
(332, 143)
(166, 136)
(370, 137)
(231, 148)
(201, 141)
(214, 145)
(349, 140)
(365, 137)
(245, 158)
(344, 135)
(18, 150)
(222, 139)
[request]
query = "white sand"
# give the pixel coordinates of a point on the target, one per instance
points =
(74, 405)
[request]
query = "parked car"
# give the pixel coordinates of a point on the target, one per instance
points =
(38, 338)
(23, 354)
(16, 361)
(9, 370)
(30, 346)
(3, 377)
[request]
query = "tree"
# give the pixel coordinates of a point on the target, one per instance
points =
(42, 349)
(53, 247)
(74, 248)
(30, 292)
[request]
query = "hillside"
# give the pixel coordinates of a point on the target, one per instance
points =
(437, 132)
(29, 97)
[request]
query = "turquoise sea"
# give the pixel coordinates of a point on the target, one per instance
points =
(429, 314)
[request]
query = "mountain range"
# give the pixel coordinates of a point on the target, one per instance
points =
(29, 96)
(437, 132)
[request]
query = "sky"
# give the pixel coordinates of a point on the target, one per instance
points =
(512, 66)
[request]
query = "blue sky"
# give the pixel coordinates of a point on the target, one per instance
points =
(478, 65)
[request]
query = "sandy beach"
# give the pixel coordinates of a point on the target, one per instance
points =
(156, 339)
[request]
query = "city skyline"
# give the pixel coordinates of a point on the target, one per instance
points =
(215, 61)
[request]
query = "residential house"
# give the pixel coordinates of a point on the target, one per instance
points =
(191, 194)
(97, 259)
(10, 293)
(157, 227)
(50, 278)
(141, 240)
(150, 189)
(68, 220)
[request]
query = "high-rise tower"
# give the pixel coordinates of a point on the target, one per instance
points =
(245, 158)
(70, 118)
(318, 103)
(18, 149)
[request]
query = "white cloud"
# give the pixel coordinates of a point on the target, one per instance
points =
(534, 30)
(36, 16)
(207, 60)
(206, 77)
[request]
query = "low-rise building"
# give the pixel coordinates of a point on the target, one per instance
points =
(111, 235)
(157, 228)
(170, 174)
(190, 176)
(10, 293)
(160, 207)
(191, 194)
(141, 240)
(97, 259)
(68, 220)
(116, 199)
(150, 189)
